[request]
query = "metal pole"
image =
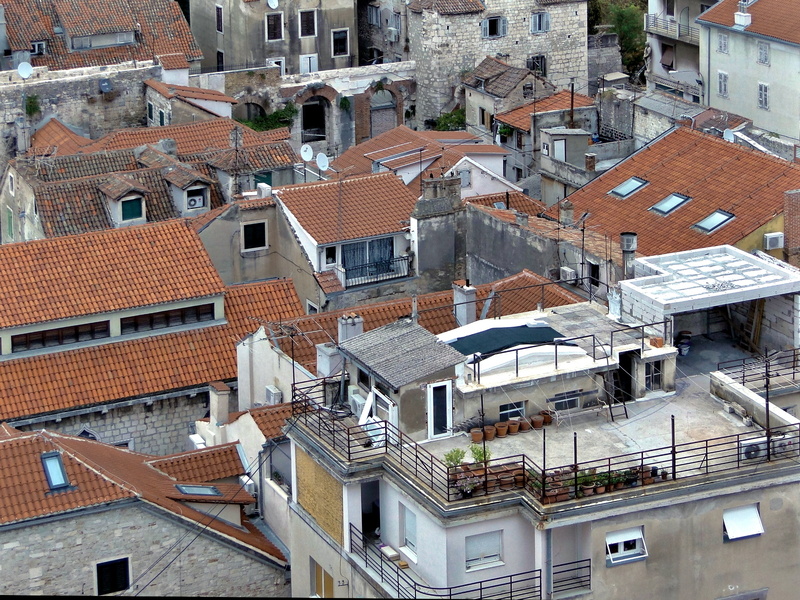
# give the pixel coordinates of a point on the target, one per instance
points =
(485, 462)
(766, 402)
(674, 451)
(575, 458)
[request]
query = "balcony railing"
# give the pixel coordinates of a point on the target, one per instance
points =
(572, 576)
(518, 586)
(674, 84)
(782, 370)
(372, 272)
(673, 29)
(728, 456)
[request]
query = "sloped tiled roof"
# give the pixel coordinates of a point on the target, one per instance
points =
(495, 77)
(140, 367)
(516, 201)
(447, 7)
(101, 474)
(171, 90)
(172, 62)
(117, 185)
(57, 136)
(270, 155)
(520, 117)
(204, 464)
(521, 292)
(47, 280)
(162, 30)
(271, 419)
(777, 19)
(351, 208)
(715, 174)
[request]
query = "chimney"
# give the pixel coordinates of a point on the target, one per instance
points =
(414, 309)
(522, 219)
(629, 245)
(329, 360)
(264, 190)
(464, 301)
(791, 226)
(567, 215)
(218, 397)
(350, 326)
(23, 134)
(742, 18)
(591, 162)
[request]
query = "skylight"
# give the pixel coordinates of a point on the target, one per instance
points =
(714, 221)
(199, 490)
(626, 188)
(670, 203)
(54, 470)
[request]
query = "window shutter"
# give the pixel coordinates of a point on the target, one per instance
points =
(485, 28)
(503, 26)
(545, 21)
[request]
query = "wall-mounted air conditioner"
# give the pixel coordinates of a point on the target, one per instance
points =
(756, 448)
(273, 395)
(773, 241)
(356, 400)
(568, 274)
(392, 34)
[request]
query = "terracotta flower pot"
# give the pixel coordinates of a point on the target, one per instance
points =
(537, 421)
(506, 481)
(502, 428)
(547, 415)
(513, 427)
(477, 434)
(489, 431)
(524, 424)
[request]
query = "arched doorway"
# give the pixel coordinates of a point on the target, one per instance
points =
(249, 111)
(382, 112)
(314, 119)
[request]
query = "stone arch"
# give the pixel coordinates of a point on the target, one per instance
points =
(382, 112)
(89, 434)
(315, 119)
(249, 110)
(397, 89)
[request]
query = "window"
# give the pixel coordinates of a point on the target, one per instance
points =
(340, 43)
(537, 64)
(518, 176)
(514, 409)
(540, 22)
(669, 204)
(166, 318)
(714, 221)
(668, 56)
(274, 26)
(722, 43)
(625, 546)
(279, 62)
(196, 197)
(374, 15)
(626, 188)
(161, 119)
(308, 23)
(11, 184)
(254, 235)
(54, 471)
(763, 96)
(9, 223)
(218, 9)
(113, 576)
(494, 27)
(308, 63)
(59, 337)
(220, 60)
(394, 21)
(363, 379)
(321, 581)
(408, 528)
(763, 53)
(486, 118)
(150, 111)
(311, 308)
(38, 48)
(722, 84)
(545, 149)
(81, 43)
(741, 522)
(198, 490)
(565, 400)
(330, 255)
(132, 209)
(652, 375)
(484, 549)
(594, 274)
(520, 140)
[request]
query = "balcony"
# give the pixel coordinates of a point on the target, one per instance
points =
(674, 84)
(393, 268)
(672, 29)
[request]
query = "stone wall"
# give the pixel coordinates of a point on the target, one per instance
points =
(320, 495)
(58, 557)
(603, 58)
(160, 428)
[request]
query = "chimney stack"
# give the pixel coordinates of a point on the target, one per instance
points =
(218, 398)
(742, 18)
(464, 301)
(522, 219)
(567, 213)
(629, 244)
(350, 326)
(329, 360)
(591, 162)
(791, 227)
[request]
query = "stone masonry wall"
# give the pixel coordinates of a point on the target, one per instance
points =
(161, 428)
(320, 495)
(57, 558)
(445, 47)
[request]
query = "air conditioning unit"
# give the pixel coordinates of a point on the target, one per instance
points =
(773, 241)
(274, 395)
(756, 448)
(356, 400)
(392, 34)
(195, 202)
(567, 274)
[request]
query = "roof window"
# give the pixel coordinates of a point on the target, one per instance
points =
(198, 490)
(626, 188)
(714, 221)
(670, 203)
(54, 470)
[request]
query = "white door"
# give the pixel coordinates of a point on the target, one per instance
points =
(560, 150)
(308, 63)
(440, 413)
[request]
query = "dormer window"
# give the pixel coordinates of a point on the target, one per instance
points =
(54, 471)
(132, 208)
(38, 48)
(196, 197)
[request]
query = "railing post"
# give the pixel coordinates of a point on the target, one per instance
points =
(674, 451)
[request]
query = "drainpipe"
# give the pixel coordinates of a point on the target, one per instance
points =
(547, 584)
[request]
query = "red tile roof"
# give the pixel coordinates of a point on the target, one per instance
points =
(171, 90)
(715, 174)
(100, 475)
(778, 19)
(204, 464)
(101, 272)
(447, 7)
(56, 138)
(520, 117)
(271, 419)
(495, 77)
(350, 208)
(145, 366)
(513, 201)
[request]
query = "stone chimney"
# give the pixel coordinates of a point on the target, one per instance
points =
(522, 219)
(350, 326)
(329, 360)
(591, 162)
(567, 213)
(218, 397)
(628, 242)
(440, 195)
(742, 18)
(791, 227)
(464, 302)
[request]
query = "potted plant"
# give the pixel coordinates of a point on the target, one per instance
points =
(547, 416)
(489, 431)
(454, 458)
(586, 483)
(479, 455)
(466, 485)
(664, 475)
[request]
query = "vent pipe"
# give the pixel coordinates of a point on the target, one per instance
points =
(629, 244)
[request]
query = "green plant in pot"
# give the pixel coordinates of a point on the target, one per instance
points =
(479, 454)
(467, 484)
(454, 458)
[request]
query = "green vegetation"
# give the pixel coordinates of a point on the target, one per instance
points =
(478, 453)
(454, 121)
(32, 105)
(283, 117)
(625, 18)
(454, 457)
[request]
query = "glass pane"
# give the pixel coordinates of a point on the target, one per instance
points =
(714, 220)
(131, 209)
(626, 188)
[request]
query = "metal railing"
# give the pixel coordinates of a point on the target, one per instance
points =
(675, 84)
(781, 369)
(522, 586)
(376, 271)
(673, 29)
(572, 576)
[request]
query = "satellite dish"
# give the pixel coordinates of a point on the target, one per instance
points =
(306, 152)
(322, 162)
(25, 70)
(273, 4)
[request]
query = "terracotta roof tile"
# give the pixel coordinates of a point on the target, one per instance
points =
(172, 62)
(271, 419)
(55, 135)
(204, 464)
(115, 186)
(514, 201)
(329, 282)
(171, 90)
(47, 280)
(715, 174)
(100, 474)
(447, 7)
(778, 19)
(520, 117)
(495, 77)
(350, 208)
